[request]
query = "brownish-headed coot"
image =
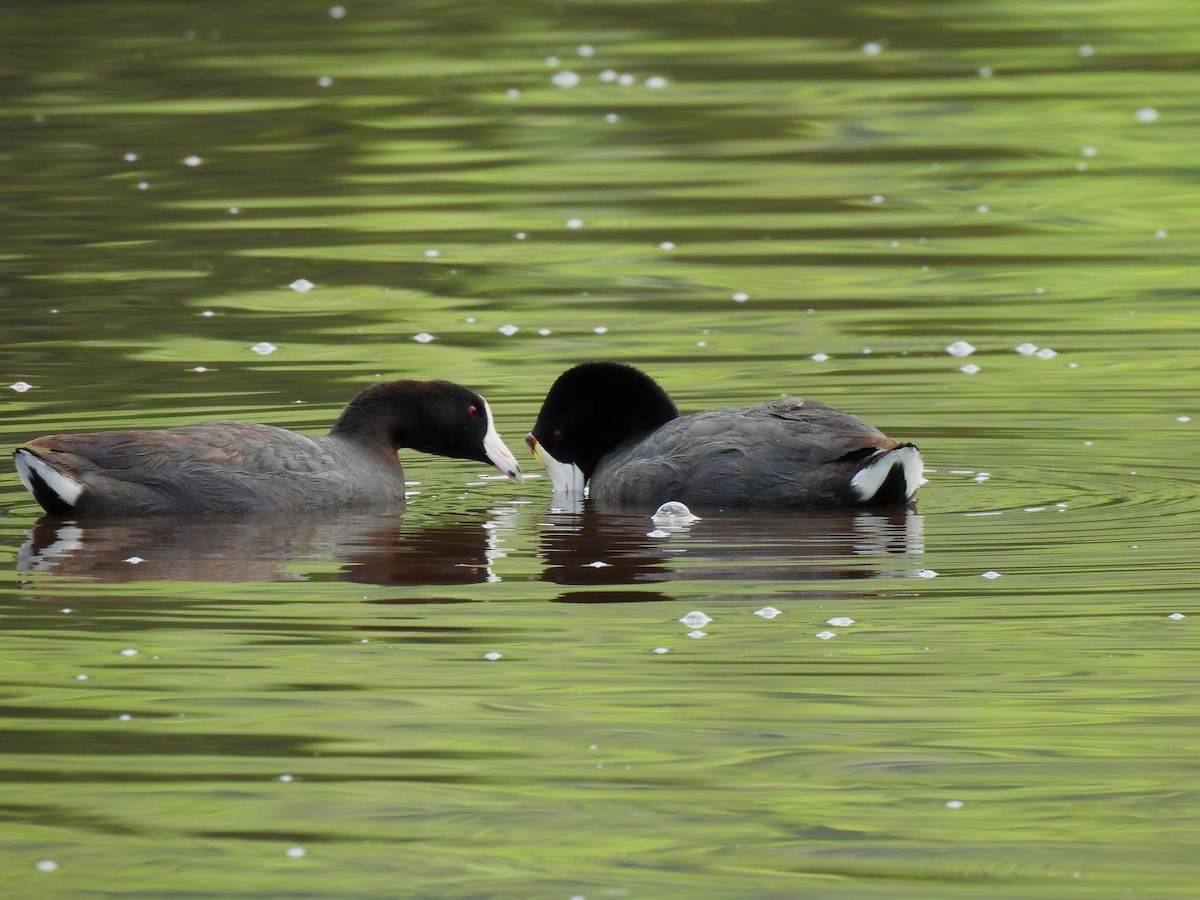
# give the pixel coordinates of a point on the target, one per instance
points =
(611, 427)
(239, 467)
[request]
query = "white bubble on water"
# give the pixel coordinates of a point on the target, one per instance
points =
(585, 50)
(574, 224)
(1085, 50)
(768, 612)
(608, 75)
(954, 804)
(20, 386)
(1089, 151)
(840, 621)
(508, 330)
(960, 348)
(657, 533)
(302, 285)
(600, 329)
(134, 560)
(1026, 349)
(129, 651)
(598, 564)
(1045, 353)
(666, 245)
(264, 348)
(493, 655)
(872, 48)
(674, 513)
(130, 157)
(1146, 114)
(626, 80)
(1177, 616)
(337, 12)
(825, 635)
(991, 575)
(661, 650)
(324, 81)
(296, 852)
(433, 254)
(286, 779)
(565, 79)
(696, 619)
(1183, 418)
(544, 331)
(611, 117)
(740, 297)
(927, 573)
(982, 208)
(819, 357)
(192, 161)
(985, 72)
(656, 82)
(423, 338)
(697, 634)
(46, 865)
(969, 369)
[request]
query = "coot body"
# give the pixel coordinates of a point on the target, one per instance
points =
(231, 467)
(612, 428)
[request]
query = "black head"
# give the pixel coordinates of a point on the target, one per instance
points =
(437, 417)
(595, 407)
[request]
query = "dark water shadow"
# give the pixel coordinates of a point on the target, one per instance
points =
(608, 550)
(372, 548)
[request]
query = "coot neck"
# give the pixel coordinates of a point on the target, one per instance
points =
(386, 417)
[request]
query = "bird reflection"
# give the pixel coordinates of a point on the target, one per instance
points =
(582, 546)
(372, 549)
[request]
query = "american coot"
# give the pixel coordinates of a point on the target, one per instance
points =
(611, 426)
(239, 467)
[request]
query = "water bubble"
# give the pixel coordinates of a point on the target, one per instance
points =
(608, 75)
(134, 560)
(544, 331)
(143, 185)
(302, 285)
(20, 386)
(820, 357)
(666, 245)
(982, 208)
(1183, 418)
(969, 369)
(697, 634)
(296, 852)
(130, 157)
(626, 80)
(493, 655)
(324, 81)
(1085, 49)
(872, 48)
(508, 330)
(657, 533)
(192, 161)
(574, 224)
(520, 235)
(600, 329)
(81, 677)
(124, 717)
(264, 348)
(661, 650)
(585, 50)
(675, 513)
(825, 635)
(1089, 151)
(1026, 349)
(656, 82)
(985, 72)
(611, 117)
(423, 338)
(927, 573)
(129, 651)
(598, 564)
(1146, 114)
(1177, 616)
(433, 254)
(840, 621)
(960, 348)
(696, 619)
(337, 12)
(1045, 353)
(768, 612)
(46, 865)
(740, 297)
(954, 804)
(565, 78)
(1160, 233)
(512, 92)
(990, 575)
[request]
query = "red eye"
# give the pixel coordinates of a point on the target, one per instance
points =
(472, 411)
(556, 436)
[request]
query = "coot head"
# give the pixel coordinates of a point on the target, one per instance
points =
(591, 410)
(438, 417)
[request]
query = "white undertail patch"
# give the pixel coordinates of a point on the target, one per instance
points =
(29, 464)
(870, 478)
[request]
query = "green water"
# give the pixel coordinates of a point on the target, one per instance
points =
(306, 708)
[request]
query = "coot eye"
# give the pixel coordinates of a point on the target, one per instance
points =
(556, 436)
(472, 411)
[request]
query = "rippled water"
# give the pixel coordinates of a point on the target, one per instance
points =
(489, 695)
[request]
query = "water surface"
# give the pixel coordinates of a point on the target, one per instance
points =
(489, 694)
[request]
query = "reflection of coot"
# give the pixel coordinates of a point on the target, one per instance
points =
(375, 547)
(718, 547)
